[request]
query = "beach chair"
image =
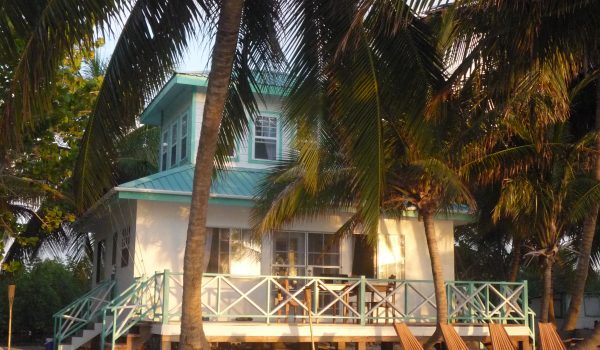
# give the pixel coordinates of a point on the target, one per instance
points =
(549, 338)
(407, 339)
(499, 337)
(452, 339)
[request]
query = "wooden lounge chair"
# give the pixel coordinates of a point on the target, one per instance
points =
(549, 338)
(452, 339)
(407, 339)
(499, 337)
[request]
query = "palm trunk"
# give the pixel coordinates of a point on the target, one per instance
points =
(515, 263)
(589, 229)
(439, 286)
(547, 291)
(192, 333)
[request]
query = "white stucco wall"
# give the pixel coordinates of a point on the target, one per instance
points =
(111, 218)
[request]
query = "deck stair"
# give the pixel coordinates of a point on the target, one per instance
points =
(82, 337)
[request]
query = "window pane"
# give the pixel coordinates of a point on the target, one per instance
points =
(265, 149)
(173, 155)
(125, 243)
(174, 133)
(184, 125)
(184, 148)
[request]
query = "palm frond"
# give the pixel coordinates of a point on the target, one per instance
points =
(153, 39)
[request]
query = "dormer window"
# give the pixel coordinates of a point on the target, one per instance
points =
(174, 149)
(265, 138)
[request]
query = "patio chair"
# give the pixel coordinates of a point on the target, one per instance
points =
(549, 338)
(407, 339)
(499, 337)
(452, 339)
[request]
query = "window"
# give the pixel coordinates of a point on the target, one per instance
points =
(115, 242)
(100, 263)
(300, 254)
(265, 138)
(184, 132)
(125, 240)
(164, 150)
(228, 245)
(174, 144)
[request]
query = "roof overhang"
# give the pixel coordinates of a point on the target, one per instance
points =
(181, 82)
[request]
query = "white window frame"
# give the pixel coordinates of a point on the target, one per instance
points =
(173, 158)
(275, 138)
(304, 265)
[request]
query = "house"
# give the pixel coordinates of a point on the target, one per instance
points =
(272, 290)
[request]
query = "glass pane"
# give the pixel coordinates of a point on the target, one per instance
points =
(265, 149)
(173, 155)
(174, 133)
(184, 148)
(315, 242)
(184, 125)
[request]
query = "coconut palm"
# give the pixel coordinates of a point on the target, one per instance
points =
(507, 38)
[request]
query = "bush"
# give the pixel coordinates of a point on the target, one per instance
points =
(41, 290)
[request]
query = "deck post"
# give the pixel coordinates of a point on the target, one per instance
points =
(361, 303)
(525, 297)
(166, 290)
(165, 342)
(362, 345)
(341, 345)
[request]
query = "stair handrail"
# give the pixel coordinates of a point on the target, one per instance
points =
(127, 309)
(80, 312)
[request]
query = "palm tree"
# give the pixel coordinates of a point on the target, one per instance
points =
(507, 38)
(418, 172)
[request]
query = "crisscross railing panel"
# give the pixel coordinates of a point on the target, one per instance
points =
(503, 302)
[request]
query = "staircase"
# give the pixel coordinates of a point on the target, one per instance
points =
(96, 315)
(82, 337)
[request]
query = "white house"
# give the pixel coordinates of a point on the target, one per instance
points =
(293, 277)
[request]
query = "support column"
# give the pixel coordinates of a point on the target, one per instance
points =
(362, 345)
(341, 345)
(165, 342)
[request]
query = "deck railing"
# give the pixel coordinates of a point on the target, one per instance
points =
(358, 300)
(271, 299)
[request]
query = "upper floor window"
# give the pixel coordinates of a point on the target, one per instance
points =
(175, 147)
(265, 137)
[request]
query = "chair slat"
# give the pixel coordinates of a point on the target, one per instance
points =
(499, 337)
(407, 339)
(452, 339)
(549, 338)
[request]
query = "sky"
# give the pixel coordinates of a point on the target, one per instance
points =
(196, 59)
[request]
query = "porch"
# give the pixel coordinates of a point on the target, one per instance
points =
(300, 308)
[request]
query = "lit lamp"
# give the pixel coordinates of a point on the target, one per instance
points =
(11, 299)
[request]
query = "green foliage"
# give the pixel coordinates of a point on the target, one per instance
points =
(41, 289)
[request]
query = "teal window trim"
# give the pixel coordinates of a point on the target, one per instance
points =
(251, 158)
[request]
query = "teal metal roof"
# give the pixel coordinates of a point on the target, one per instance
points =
(232, 183)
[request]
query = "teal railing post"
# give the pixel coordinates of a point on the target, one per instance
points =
(166, 290)
(525, 306)
(470, 308)
(103, 331)
(448, 301)
(362, 301)
(315, 297)
(269, 299)
(114, 330)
